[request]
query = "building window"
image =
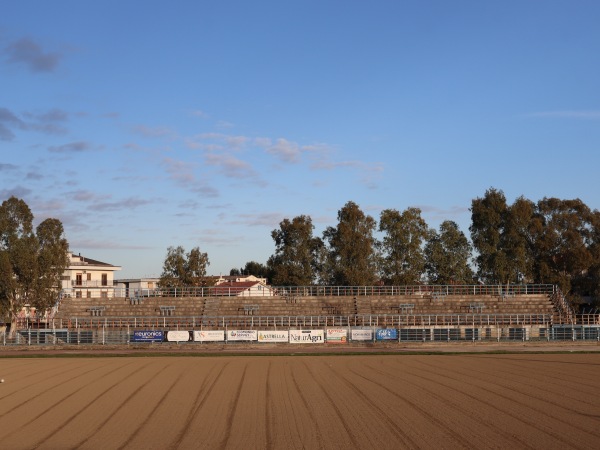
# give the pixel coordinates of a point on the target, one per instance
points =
(104, 279)
(77, 294)
(78, 279)
(89, 277)
(89, 294)
(104, 294)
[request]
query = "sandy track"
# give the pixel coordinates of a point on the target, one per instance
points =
(273, 402)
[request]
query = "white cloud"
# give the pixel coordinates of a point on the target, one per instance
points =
(229, 165)
(285, 150)
(182, 173)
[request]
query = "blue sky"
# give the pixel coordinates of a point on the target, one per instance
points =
(142, 125)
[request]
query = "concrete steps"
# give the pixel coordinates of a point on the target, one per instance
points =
(304, 306)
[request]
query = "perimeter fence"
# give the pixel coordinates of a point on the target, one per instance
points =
(325, 335)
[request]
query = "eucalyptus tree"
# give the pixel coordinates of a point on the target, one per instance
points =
(181, 269)
(53, 260)
(351, 245)
(402, 257)
(517, 240)
(31, 263)
(257, 269)
(488, 216)
(564, 241)
(592, 282)
(447, 256)
(294, 262)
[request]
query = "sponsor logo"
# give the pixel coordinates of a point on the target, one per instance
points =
(386, 334)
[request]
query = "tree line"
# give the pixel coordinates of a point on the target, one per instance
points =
(32, 261)
(552, 241)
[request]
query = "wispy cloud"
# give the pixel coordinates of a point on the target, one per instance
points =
(285, 150)
(230, 166)
(72, 147)
(27, 52)
(9, 120)
(34, 176)
(182, 173)
(124, 204)
(199, 113)
(267, 219)
(105, 245)
(49, 122)
(17, 191)
(7, 167)
(87, 196)
(154, 132)
(582, 114)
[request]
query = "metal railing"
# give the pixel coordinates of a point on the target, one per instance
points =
(103, 335)
(330, 291)
(310, 321)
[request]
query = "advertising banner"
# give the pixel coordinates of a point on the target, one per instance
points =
(273, 336)
(242, 335)
(386, 334)
(307, 336)
(178, 336)
(209, 336)
(337, 335)
(148, 336)
(362, 335)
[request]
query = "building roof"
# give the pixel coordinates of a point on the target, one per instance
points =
(235, 287)
(78, 260)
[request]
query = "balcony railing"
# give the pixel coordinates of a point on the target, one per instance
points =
(89, 283)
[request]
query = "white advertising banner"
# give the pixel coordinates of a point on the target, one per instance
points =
(362, 335)
(178, 336)
(209, 336)
(337, 335)
(307, 336)
(242, 335)
(273, 336)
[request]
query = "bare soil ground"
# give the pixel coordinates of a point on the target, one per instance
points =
(525, 400)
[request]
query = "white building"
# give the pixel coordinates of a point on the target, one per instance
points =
(88, 278)
(242, 289)
(134, 287)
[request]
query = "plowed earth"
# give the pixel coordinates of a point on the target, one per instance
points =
(540, 401)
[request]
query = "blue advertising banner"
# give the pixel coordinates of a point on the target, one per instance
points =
(386, 334)
(148, 336)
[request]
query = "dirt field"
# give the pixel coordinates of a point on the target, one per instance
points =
(279, 402)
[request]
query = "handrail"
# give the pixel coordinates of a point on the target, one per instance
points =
(255, 321)
(423, 290)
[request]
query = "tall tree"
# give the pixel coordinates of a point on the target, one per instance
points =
(295, 258)
(447, 255)
(487, 226)
(591, 285)
(197, 262)
(563, 242)
(53, 260)
(517, 240)
(182, 270)
(403, 261)
(257, 269)
(351, 260)
(30, 265)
